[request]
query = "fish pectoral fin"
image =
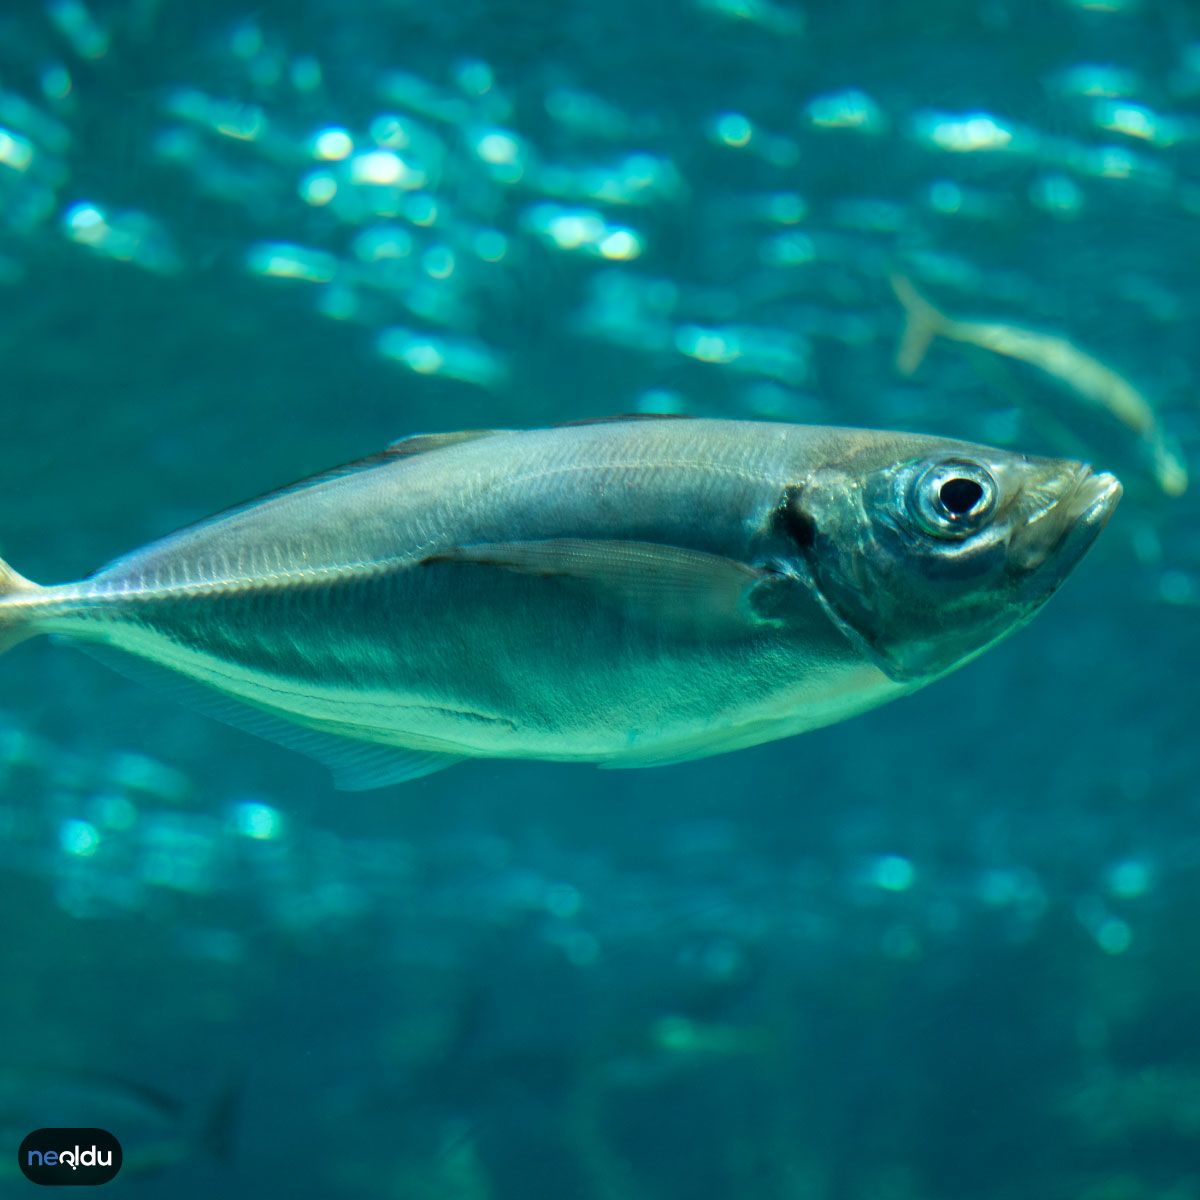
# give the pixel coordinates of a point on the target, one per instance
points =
(666, 583)
(356, 765)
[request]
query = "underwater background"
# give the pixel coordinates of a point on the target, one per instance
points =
(945, 950)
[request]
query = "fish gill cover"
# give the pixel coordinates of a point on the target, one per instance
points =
(945, 949)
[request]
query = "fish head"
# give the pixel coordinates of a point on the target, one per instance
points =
(925, 563)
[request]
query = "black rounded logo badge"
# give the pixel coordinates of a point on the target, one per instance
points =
(69, 1157)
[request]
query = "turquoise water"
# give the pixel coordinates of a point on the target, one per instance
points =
(947, 949)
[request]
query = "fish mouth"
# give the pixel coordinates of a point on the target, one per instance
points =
(1086, 510)
(1093, 498)
(1080, 515)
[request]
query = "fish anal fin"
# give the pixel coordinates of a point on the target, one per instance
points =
(356, 765)
(671, 584)
(699, 745)
(360, 766)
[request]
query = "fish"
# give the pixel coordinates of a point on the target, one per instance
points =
(156, 1131)
(631, 591)
(1088, 379)
(674, 1045)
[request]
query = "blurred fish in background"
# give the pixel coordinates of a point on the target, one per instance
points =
(158, 1127)
(1094, 385)
(946, 949)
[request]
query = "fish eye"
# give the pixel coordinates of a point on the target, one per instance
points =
(953, 498)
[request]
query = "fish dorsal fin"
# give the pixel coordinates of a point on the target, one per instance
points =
(423, 443)
(418, 443)
(623, 417)
(688, 589)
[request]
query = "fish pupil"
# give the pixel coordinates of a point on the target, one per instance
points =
(959, 495)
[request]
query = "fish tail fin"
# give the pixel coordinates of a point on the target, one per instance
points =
(219, 1128)
(15, 622)
(922, 323)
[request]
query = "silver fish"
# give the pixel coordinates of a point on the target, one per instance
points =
(1091, 382)
(628, 592)
(156, 1130)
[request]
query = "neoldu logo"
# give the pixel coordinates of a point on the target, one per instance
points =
(80, 1157)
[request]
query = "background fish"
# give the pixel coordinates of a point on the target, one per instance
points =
(1088, 380)
(158, 1129)
(629, 592)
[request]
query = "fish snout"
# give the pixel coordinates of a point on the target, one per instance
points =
(1053, 540)
(1093, 498)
